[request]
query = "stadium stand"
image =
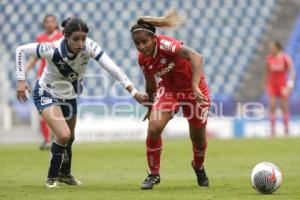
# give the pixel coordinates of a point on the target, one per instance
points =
(219, 29)
(293, 49)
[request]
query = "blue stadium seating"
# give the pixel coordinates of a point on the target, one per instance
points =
(219, 29)
(293, 49)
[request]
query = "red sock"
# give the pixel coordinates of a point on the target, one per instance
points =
(286, 122)
(45, 130)
(272, 120)
(199, 155)
(154, 148)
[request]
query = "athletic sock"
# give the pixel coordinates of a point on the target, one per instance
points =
(67, 160)
(272, 121)
(199, 155)
(56, 155)
(154, 148)
(286, 123)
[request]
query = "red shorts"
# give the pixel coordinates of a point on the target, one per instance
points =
(169, 101)
(278, 90)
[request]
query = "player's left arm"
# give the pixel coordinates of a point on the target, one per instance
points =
(291, 73)
(196, 60)
(115, 71)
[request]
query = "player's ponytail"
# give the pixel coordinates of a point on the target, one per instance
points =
(73, 24)
(170, 20)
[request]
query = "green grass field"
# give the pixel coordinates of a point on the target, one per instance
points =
(115, 171)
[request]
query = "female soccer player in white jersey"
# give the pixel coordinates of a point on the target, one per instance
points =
(56, 91)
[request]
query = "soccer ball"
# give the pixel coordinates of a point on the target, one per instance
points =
(266, 177)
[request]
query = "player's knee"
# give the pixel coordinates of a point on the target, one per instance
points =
(154, 130)
(65, 137)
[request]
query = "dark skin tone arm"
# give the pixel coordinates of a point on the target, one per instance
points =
(150, 90)
(197, 70)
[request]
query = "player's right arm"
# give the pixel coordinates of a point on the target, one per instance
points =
(291, 73)
(150, 90)
(35, 50)
(150, 85)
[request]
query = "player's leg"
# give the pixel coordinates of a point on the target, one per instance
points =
(272, 109)
(46, 135)
(284, 104)
(196, 115)
(65, 175)
(54, 118)
(199, 141)
(157, 122)
(67, 158)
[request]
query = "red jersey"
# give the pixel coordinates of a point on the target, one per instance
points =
(43, 37)
(278, 67)
(175, 72)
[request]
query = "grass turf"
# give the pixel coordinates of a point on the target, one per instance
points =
(115, 170)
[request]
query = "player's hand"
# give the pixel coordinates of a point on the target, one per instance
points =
(200, 97)
(141, 97)
(149, 105)
(286, 91)
(22, 89)
(289, 87)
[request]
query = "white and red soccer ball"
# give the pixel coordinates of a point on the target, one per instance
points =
(266, 177)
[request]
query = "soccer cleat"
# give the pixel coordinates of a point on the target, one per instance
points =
(201, 177)
(151, 179)
(52, 183)
(68, 179)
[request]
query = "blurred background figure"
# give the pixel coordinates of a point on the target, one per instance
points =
(280, 82)
(50, 34)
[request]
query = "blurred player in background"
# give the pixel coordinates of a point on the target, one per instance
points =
(182, 85)
(280, 82)
(56, 91)
(51, 34)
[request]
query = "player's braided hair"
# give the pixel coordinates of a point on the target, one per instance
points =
(148, 23)
(73, 24)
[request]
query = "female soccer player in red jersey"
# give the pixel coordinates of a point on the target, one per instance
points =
(279, 67)
(51, 34)
(182, 84)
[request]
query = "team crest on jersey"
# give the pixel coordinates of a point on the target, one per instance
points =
(60, 64)
(167, 45)
(163, 61)
(83, 56)
(72, 76)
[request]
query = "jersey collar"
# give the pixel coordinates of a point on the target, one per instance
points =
(64, 50)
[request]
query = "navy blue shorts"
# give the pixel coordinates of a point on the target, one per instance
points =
(43, 99)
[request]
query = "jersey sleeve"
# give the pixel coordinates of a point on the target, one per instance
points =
(170, 46)
(288, 61)
(21, 52)
(38, 50)
(94, 50)
(45, 50)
